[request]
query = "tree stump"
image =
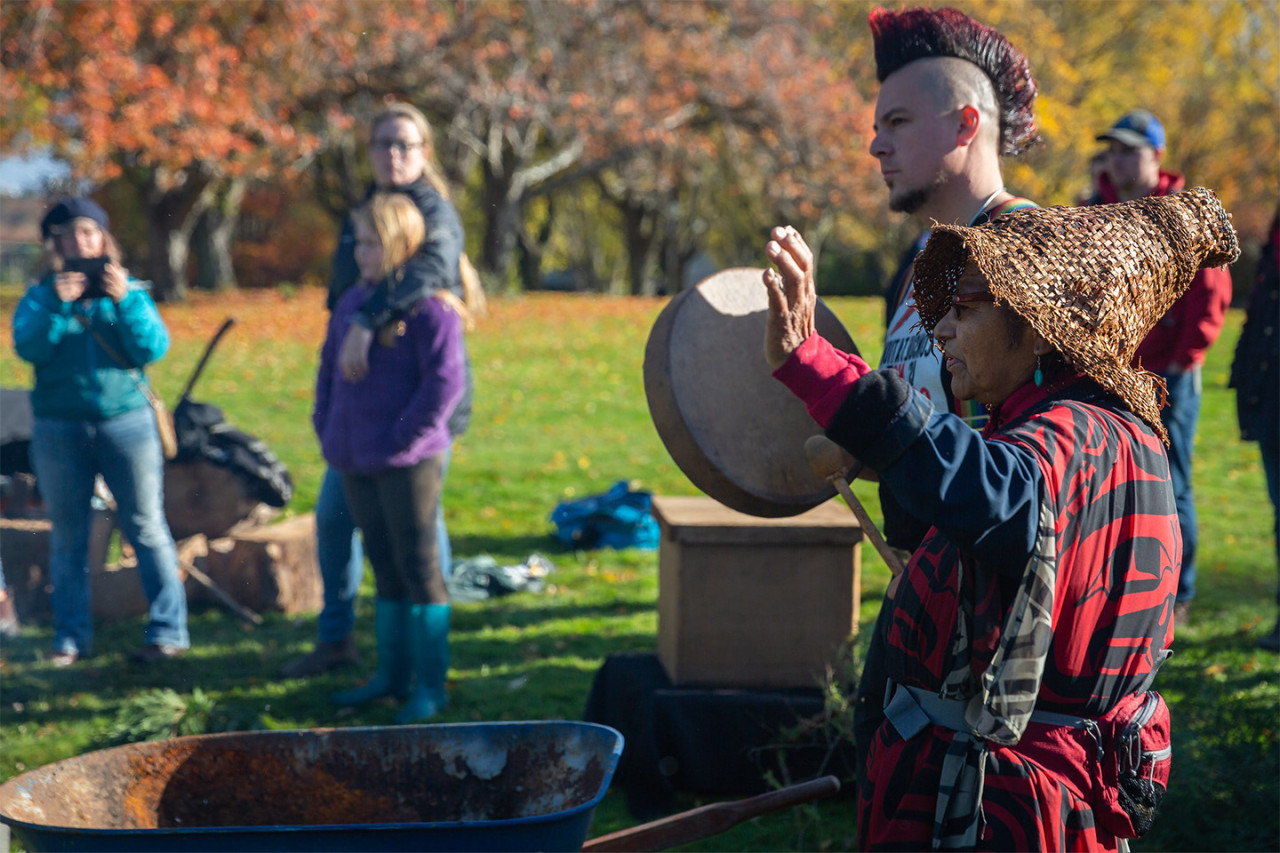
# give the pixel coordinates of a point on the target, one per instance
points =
(117, 593)
(115, 590)
(270, 568)
(24, 551)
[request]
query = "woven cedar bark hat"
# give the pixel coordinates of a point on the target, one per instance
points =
(1090, 280)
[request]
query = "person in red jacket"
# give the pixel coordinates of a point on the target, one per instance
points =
(1176, 347)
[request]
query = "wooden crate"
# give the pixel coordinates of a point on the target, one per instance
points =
(754, 602)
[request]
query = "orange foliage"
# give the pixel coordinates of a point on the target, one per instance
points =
(127, 83)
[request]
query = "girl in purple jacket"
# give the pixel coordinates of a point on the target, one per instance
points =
(387, 432)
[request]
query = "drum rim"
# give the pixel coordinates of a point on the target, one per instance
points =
(678, 437)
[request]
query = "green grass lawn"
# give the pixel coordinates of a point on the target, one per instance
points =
(560, 412)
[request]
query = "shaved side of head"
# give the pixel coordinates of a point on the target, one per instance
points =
(957, 83)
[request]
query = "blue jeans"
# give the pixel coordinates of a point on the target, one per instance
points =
(1180, 418)
(125, 450)
(341, 557)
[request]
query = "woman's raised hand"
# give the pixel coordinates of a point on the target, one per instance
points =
(793, 295)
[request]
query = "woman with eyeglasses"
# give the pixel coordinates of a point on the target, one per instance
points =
(403, 159)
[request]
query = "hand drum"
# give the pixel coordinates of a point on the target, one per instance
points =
(736, 432)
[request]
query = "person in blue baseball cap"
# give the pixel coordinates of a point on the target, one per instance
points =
(1135, 150)
(1175, 349)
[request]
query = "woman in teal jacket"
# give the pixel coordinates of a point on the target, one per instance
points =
(88, 328)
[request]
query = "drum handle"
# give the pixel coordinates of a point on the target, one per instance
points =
(832, 462)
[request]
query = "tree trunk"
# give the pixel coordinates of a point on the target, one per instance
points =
(638, 225)
(529, 265)
(171, 215)
(502, 223)
(211, 239)
(532, 247)
(338, 180)
(168, 261)
(672, 256)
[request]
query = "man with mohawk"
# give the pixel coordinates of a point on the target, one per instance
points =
(955, 96)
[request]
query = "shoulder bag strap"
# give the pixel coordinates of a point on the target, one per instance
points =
(135, 373)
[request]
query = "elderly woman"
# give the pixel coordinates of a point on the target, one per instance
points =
(1028, 626)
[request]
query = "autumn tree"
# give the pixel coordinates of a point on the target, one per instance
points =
(721, 107)
(643, 100)
(660, 127)
(180, 100)
(1210, 70)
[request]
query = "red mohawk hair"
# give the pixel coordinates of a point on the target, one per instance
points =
(903, 37)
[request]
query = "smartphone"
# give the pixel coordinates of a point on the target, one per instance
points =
(92, 269)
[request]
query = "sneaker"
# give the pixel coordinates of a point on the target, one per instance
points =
(62, 660)
(153, 653)
(1271, 642)
(325, 657)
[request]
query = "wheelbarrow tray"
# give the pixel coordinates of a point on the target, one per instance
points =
(456, 786)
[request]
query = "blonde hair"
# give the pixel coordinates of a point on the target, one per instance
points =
(399, 226)
(472, 304)
(401, 230)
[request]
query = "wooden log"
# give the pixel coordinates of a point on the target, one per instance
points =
(270, 568)
(21, 498)
(24, 551)
(115, 588)
(117, 593)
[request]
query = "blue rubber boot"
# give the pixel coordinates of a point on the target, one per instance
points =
(392, 675)
(429, 651)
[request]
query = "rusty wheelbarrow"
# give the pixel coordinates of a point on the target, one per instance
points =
(456, 786)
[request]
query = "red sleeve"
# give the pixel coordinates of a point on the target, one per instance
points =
(820, 375)
(1205, 309)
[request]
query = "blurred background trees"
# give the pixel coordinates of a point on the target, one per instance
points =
(616, 145)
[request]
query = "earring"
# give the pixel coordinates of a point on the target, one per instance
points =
(1039, 377)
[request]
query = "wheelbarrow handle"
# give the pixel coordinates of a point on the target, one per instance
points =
(204, 359)
(697, 824)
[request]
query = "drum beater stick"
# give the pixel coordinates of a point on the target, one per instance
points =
(833, 463)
